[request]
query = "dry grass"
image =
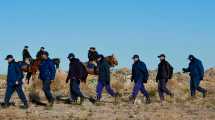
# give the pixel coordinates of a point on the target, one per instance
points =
(181, 107)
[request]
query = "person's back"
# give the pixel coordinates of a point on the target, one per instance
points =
(92, 54)
(26, 54)
(196, 68)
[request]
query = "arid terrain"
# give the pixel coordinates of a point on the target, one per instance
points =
(181, 107)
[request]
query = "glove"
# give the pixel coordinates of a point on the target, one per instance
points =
(67, 81)
(202, 78)
(184, 70)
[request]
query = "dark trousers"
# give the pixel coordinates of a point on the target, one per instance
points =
(75, 91)
(195, 85)
(100, 87)
(139, 86)
(162, 89)
(11, 89)
(47, 90)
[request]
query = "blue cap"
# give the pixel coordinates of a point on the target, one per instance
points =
(8, 57)
(161, 55)
(71, 55)
(135, 56)
(190, 57)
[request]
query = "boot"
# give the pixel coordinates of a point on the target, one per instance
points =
(162, 100)
(51, 103)
(92, 100)
(171, 95)
(148, 100)
(98, 98)
(204, 94)
(81, 100)
(5, 105)
(132, 99)
(25, 106)
(116, 96)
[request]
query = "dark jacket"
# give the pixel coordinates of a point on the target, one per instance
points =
(196, 69)
(39, 54)
(14, 74)
(164, 71)
(47, 70)
(139, 72)
(76, 70)
(104, 72)
(26, 54)
(92, 56)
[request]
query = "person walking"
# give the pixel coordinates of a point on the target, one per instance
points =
(47, 75)
(14, 83)
(139, 76)
(75, 75)
(165, 72)
(196, 70)
(103, 78)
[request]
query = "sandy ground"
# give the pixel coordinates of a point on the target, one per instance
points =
(181, 107)
(199, 109)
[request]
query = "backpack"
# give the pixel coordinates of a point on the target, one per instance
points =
(171, 70)
(84, 72)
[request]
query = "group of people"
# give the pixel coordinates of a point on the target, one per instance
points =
(164, 73)
(77, 73)
(15, 76)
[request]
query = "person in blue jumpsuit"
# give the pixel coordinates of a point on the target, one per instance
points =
(14, 82)
(196, 70)
(139, 76)
(103, 78)
(47, 75)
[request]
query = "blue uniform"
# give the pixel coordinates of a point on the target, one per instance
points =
(47, 73)
(196, 70)
(104, 79)
(14, 82)
(140, 76)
